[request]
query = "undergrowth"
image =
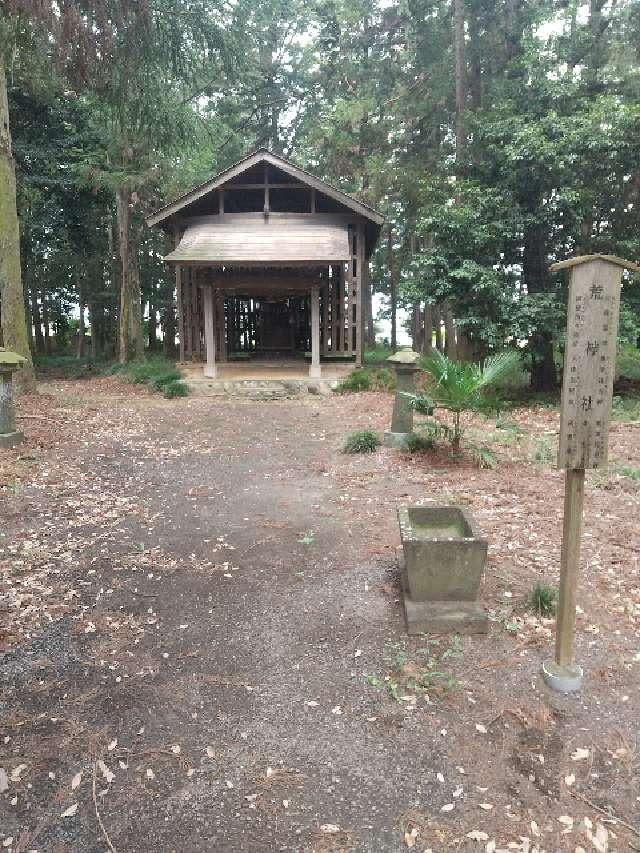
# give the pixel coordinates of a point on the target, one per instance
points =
(361, 441)
(367, 379)
(542, 599)
(157, 373)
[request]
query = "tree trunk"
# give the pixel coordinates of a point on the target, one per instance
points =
(36, 321)
(45, 322)
(417, 328)
(371, 330)
(81, 324)
(534, 273)
(451, 349)
(393, 296)
(427, 345)
(152, 325)
(437, 319)
(461, 79)
(13, 321)
(130, 329)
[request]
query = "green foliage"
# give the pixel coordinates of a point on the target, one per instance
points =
(461, 387)
(628, 363)
(307, 538)
(484, 457)
(157, 373)
(174, 388)
(417, 443)
(416, 672)
(367, 379)
(358, 380)
(542, 600)
(377, 355)
(625, 408)
(361, 441)
(543, 451)
(628, 471)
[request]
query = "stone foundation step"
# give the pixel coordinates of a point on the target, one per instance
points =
(257, 389)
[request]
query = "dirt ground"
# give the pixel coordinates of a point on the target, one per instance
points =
(202, 645)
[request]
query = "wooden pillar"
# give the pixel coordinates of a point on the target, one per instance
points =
(221, 325)
(325, 311)
(315, 371)
(360, 278)
(209, 332)
(179, 311)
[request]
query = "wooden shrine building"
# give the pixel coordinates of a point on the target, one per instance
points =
(270, 263)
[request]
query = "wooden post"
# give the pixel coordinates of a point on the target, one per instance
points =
(569, 564)
(587, 391)
(315, 371)
(209, 332)
(221, 325)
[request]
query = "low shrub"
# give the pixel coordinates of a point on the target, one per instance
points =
(417, 443)
(542, 599)
(175, 388)
(157, 373)
(359, 380)
(361, 441)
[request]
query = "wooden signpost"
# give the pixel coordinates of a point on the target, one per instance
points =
(587, 391)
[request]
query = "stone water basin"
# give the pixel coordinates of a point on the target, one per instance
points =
(444, 554)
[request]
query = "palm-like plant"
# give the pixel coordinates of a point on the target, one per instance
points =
(461, 386)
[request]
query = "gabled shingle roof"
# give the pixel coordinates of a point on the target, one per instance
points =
(263, 156)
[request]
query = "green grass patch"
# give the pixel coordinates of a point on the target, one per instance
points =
(69, 366)
(420, 442)
(542, 599)
(367, 379)
(377, 355)
(361, 441)
(625, 409)
(628, 364)
(628, 471)
(157, 373)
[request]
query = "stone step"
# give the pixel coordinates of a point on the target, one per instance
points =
(258, 389)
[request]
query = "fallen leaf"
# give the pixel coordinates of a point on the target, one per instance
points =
(480, 728)
(569, 780)
(76, 781)
(150, 773)
(477, 835)
(4, 780)
(448, 807)
(108, 775)
(580, 754)
(410, 837)
(329, 828)
(70, 811)
(17, 772)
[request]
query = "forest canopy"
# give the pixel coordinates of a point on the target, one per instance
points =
(495, 137)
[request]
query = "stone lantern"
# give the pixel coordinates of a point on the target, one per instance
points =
(9, 363)
(405, 364)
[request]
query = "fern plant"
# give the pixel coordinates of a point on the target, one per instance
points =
(461, 387)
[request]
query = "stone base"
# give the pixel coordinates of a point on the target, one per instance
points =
(315, 371)
(562, 679)
(10, 439)
(396, 440)
(444, 617)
